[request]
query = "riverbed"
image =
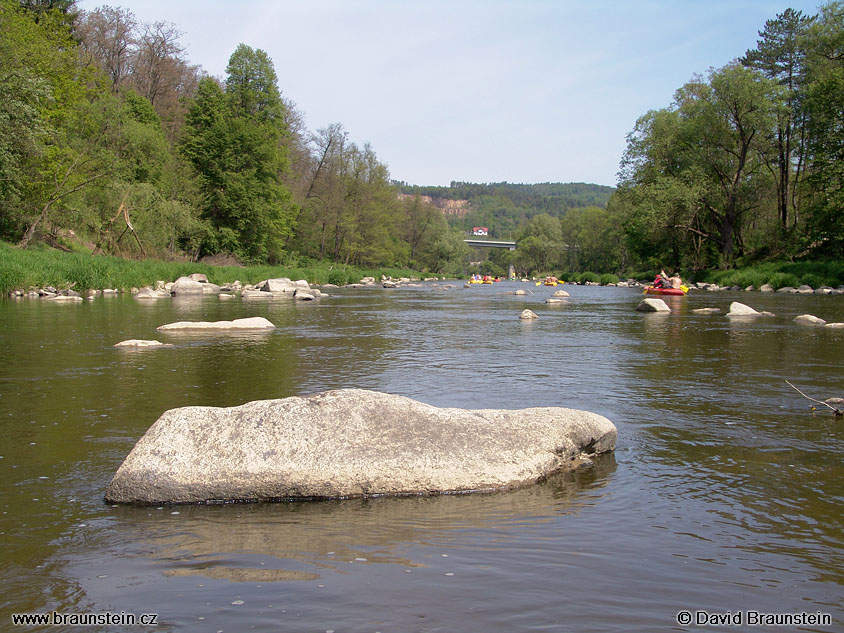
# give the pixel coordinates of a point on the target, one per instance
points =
(725, 494)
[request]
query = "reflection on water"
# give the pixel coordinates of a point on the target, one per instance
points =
(725, 492)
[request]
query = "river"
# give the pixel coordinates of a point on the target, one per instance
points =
(725, 494)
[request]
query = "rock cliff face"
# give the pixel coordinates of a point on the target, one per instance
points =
(446, 205)
(349, 443)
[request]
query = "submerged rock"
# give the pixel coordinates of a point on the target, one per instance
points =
(528, 314)
(348, 443)
(251, 323)
(135, 343)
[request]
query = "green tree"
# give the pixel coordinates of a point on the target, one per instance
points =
(699, 166)
(824, 43)
(234, 140)
(779, 56)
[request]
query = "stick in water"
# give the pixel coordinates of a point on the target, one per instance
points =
(826, 404)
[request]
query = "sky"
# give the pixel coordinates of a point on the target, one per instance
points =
(523, 91)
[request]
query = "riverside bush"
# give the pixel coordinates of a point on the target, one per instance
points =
(784, 280)
(608, 278)
(337, 277)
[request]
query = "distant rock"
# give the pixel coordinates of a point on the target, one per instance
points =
(787, 290)
(257, 294)
(707, 311)
(560, 293)
(141, 344)
(387, 283)
(149, 293)
(554, 301)
(528, 314)
(805, 290)
(739, 309)
(766, 288)
(518, 292)
(251, 323)
(652, 305)
(809, 319)
(835, 326)
(283, 285)
(350, 443)
(185, 286)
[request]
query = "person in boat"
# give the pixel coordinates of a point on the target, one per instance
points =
(662, 280)
(675, 281)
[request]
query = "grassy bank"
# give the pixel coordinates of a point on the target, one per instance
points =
(39, 267)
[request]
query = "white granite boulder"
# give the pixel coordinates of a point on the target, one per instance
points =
(740, 310)
(653, 305)
(809, 319)
(528, 314)
(250, 323)
(350, 443)
(149, 293)
(185, 286)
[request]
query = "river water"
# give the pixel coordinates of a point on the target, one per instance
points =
(725, 494)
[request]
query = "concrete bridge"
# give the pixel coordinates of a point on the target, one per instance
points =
(491, 244)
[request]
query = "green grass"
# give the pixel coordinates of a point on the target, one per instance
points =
(39, 267)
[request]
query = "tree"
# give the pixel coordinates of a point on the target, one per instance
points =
(108, 36)
(422, 223)
(779, 57)
(698, 167)
(824, 44)
(234, 140)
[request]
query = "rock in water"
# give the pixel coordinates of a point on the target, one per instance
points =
(249, 323)
(349, 443)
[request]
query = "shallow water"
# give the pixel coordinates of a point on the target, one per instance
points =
(725, 493)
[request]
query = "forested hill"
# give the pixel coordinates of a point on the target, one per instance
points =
(504, 207)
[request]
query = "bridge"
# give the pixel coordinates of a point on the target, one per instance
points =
(491, 244)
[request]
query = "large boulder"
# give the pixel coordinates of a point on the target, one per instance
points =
(251, 323)
(350, 443)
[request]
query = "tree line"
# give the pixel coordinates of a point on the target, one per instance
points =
(745, 163)
(109, 136)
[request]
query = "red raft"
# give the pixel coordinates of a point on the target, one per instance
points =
(651, 290)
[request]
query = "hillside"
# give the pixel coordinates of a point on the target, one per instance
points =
(503, 207)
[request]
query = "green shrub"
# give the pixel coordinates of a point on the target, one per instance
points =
(783, 280)
(608, 278)
(590, 277)
(815, 281)
(337, 277)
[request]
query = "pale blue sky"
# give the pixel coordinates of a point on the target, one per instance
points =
(476, 90)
